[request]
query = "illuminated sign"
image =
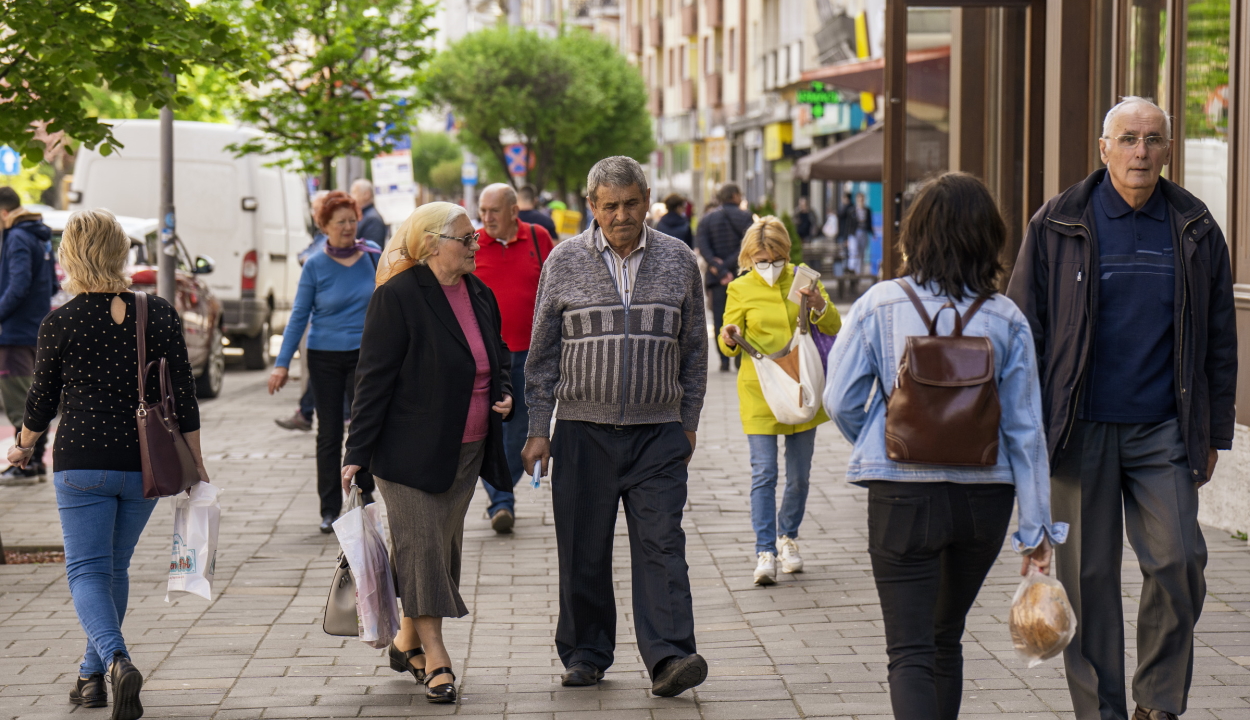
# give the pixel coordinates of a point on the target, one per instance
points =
(818, 96)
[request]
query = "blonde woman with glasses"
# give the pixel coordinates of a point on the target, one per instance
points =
(757, 309)
(86, 364)
(432, 391)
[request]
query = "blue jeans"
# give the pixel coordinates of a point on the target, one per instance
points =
(515, 432)
(103, 512)
(765, 519)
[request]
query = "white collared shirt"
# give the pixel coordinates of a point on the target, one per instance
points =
(624, 270)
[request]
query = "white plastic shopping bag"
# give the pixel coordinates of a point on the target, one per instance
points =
(360, 534)
(193, 560)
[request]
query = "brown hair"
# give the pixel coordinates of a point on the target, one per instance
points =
(953, 235)
(334, 200)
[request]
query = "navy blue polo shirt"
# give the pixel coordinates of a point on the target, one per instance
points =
(1131, 374)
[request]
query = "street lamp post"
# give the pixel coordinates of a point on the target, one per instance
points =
(165, 285)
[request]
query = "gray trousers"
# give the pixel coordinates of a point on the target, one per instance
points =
(1110, 479)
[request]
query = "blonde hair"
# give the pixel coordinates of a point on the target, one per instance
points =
(94, 250)
(768, 234)
(417, 238)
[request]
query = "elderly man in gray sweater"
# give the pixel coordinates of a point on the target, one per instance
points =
(620, 342)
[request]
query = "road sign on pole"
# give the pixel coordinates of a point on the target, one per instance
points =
(10, 161)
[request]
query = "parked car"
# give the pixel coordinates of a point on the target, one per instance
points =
(197, 305)
(251, 216)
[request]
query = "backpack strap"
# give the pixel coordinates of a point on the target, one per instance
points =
(972, 309)
(915, 300)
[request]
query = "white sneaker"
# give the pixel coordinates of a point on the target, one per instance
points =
(791, 561)
(766, 570)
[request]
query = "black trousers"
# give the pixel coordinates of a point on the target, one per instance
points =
(931, 544)
(1112, 478)
(331, 373)
(720, 293)
(595, 467)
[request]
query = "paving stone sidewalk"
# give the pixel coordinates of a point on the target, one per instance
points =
(809, 647)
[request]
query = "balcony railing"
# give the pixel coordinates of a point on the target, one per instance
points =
(715, 10)
(657, 32)
(690, 20)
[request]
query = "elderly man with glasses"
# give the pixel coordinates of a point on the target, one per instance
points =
(1125, 279)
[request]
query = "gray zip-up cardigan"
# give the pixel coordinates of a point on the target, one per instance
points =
(606, 365)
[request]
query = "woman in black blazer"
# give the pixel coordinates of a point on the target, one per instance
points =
(433, 388)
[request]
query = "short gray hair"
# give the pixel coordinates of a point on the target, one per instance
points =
(362, 186)
(616, 171)
(508, 193)
(1131, 101)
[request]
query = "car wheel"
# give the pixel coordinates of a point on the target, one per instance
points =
(208, 384)
(256, 348)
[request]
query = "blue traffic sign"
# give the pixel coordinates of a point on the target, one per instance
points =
(10, 161)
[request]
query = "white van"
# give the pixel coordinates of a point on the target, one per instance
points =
(251, 219)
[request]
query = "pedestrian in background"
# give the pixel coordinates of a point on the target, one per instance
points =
(1139, 344)
(303, 418)
(934, 531)
(330, 302)
(526, 197)
(858, 240)
(758, 310)
(87, 364)
(620, 341)
(27, 283)
(674, 222)
(432, 392)
(509, 262)
(719, 241)
(371, 226)
(804, 220)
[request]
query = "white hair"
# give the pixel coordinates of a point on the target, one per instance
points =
(1132, 101)
(509, 195)
(362, 187)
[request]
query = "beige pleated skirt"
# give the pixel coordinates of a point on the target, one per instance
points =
(427, 534)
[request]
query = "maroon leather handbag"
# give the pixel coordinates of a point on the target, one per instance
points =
(168, 465)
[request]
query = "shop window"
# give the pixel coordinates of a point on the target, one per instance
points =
(1206, 102)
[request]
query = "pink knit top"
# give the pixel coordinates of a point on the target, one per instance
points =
(477, 425)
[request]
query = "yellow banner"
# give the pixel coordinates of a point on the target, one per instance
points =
(776, 135)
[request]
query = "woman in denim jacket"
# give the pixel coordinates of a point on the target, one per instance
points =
(935, 531)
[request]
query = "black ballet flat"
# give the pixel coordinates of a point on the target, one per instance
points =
(445, 693)
(400, 658)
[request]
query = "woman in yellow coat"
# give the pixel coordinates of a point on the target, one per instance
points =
(757, 309)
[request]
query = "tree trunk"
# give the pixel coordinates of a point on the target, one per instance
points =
(327, 173)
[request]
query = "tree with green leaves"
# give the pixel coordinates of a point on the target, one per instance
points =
(431, 149)
(333, 73)
(213, 96)
(53, 52)
(571, 100)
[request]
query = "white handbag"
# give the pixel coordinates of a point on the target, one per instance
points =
(793, 378)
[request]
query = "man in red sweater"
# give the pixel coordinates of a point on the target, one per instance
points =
(509, 262)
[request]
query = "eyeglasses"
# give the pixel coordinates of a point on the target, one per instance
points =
(1130, 142)
(764, 264)
(466, 241)
(345, 222)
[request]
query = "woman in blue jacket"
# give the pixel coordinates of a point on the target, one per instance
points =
(334, 290)
(935, 531)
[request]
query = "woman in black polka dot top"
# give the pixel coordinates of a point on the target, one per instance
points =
(86, 366)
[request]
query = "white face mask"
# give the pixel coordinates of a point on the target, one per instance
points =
(770, 271)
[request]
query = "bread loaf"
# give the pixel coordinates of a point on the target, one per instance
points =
(1039, 620)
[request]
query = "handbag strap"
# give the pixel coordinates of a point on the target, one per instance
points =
(804, 329)
(141, 331)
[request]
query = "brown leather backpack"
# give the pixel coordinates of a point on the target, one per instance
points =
(944, 409)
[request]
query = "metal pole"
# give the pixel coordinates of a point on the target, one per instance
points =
(166, 287)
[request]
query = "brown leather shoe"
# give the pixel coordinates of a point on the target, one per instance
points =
(1142, 713)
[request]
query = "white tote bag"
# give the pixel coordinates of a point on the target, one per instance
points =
(193, 560)
(793, 379)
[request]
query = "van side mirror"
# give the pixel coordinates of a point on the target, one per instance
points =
(203, 265)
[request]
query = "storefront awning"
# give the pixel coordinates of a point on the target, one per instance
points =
(860, 157)
(928, 75)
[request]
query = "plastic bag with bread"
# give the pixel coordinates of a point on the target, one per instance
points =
(1042, 622)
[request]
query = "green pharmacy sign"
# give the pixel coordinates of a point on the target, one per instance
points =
(818, 96)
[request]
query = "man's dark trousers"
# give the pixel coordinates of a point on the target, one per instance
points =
(1139, 470)
(515, 433)
(720, 295)
(593, 468)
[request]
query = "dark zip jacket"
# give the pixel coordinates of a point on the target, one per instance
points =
(27, 279)
(1055, 284)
